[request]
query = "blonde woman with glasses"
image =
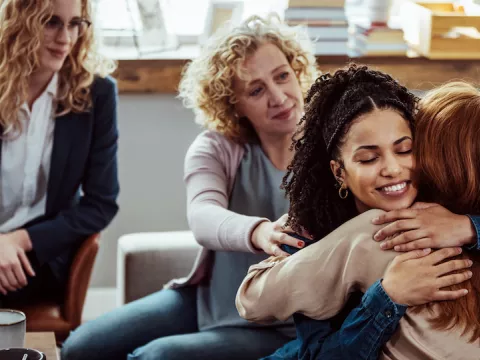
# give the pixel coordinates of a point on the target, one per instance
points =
(58, 143)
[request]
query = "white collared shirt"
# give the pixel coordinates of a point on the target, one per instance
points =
(25, 163)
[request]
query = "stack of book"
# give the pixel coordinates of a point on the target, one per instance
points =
(376, 39)
(376, 11)
(326, 23)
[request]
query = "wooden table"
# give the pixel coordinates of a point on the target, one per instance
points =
(44, 342)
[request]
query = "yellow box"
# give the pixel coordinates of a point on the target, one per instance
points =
(442, 30)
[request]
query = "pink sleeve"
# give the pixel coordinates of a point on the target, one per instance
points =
(210, 167)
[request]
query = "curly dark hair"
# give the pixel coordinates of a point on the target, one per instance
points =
(332, 104)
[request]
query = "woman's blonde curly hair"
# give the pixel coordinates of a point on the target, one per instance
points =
(22, 24)
(207, 81)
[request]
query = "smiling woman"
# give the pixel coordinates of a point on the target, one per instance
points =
(58, 135)
(48, 47)
(61, 33)
(365, 119)
(377, 169)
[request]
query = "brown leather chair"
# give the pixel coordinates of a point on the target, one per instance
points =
(63, 318)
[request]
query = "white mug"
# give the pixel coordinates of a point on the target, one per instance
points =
(12, 329)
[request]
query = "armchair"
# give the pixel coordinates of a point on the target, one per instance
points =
(63, 318)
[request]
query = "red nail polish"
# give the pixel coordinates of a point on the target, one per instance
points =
(300, 244)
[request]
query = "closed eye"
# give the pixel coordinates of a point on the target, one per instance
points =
(368, 160)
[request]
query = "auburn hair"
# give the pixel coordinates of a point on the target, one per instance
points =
(447, 153)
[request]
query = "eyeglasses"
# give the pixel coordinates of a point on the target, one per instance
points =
(76, 27)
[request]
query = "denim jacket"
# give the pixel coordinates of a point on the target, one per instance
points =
(363, 332)
(362, 335)
(475, 219)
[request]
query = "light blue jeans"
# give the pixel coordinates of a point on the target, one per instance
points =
(164, 326)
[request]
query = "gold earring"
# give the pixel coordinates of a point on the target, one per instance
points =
(343, 192)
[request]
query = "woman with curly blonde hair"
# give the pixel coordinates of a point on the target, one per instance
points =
(246, 89)
(58, 144)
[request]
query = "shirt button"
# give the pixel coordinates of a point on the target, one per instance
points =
(388, 314)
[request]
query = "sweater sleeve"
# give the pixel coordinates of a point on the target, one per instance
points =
(210, 166)
(317, 280)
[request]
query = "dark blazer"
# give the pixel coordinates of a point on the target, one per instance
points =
(83, 182)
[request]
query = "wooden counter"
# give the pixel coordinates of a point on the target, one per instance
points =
(162, 76)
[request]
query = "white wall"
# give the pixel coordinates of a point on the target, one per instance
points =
(155, 132)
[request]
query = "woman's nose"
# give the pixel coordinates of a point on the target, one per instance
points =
(277, 96)
(391, 169)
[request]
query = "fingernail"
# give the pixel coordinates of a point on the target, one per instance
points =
(396, 248)
(383, 246)
(469, 273)
(470, 262)
(375, 220)
(301, 244)
(465, 292)
(426, 251)
(459, 250)
(377, 236)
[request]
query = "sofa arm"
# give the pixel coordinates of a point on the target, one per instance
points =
(147, 261)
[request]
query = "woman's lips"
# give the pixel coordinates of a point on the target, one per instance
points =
(58, 53)
(285, 114)
(395, 190)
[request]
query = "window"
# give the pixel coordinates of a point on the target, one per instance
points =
(121, 20)
(185, 17)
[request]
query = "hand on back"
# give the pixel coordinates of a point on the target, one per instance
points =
(269, 236)
(421, 276)
(422, 226)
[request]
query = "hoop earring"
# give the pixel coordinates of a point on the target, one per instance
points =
(343, 192)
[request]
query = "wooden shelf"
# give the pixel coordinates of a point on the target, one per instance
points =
(162, 75)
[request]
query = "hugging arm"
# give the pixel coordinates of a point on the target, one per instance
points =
(427, 225)
(362, 335)
(370, 323)
(317, 280)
